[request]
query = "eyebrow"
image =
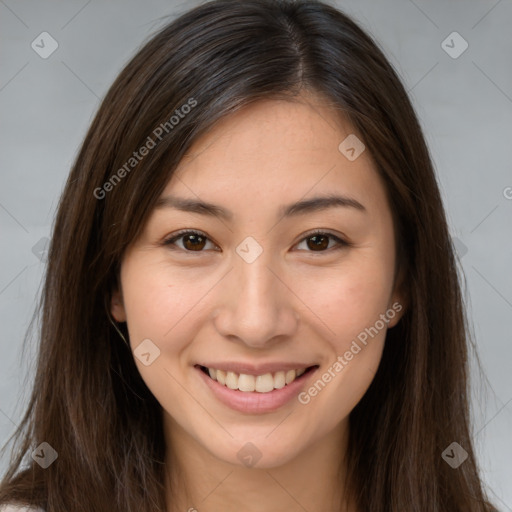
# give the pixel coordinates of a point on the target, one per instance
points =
(299, 208)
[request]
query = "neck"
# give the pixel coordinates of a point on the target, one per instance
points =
(312, 481)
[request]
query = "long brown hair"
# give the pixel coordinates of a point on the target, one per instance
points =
(90, 403)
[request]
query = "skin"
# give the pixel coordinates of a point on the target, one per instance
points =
(293, 303)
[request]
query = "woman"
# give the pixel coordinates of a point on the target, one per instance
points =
(251, 298)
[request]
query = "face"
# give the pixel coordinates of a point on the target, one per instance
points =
(261, 315)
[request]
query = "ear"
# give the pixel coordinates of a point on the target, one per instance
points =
(398, 302)
(117, 306)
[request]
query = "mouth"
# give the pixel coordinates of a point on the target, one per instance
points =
(263, 383)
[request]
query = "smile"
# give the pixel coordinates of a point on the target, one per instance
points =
(252, 390)
(251, 383)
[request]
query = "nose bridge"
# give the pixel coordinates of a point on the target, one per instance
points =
(258, 288)
(256, 306)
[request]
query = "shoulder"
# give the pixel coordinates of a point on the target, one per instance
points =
(19, 508)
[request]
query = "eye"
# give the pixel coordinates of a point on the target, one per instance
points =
(320, 241)
(196, 241)
(192, 241)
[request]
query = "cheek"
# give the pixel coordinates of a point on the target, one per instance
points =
(352, 303)
(347, 299)
(158, 302)
(352, 306)
(167, 308)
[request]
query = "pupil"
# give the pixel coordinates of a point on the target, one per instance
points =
(194, 242)
(323, 244)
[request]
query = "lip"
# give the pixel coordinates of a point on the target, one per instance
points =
(255, 402)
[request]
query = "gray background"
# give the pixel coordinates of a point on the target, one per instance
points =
(464, 103)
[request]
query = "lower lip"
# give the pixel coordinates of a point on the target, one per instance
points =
(254, 402)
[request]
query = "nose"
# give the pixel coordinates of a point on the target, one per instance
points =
(257, 307)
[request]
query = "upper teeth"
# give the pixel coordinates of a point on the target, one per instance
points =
(261, 383)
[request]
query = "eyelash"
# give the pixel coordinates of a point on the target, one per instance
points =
(180, 234)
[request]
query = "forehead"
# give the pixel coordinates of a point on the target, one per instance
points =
(273, 149)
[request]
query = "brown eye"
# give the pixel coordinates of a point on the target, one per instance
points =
(191, 241)
(194, 242)
(321, 242)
